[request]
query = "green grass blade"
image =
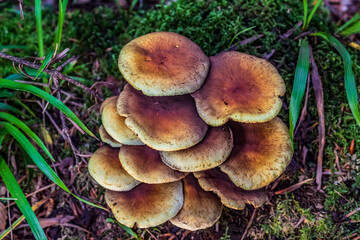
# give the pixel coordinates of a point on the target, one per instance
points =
(39, 160)
(5, 106)
(242, 31)
(353, 20)
(353, 29)
(312, 13)
(3, 133)
(45, 62)
(126, 228)
(39, 27)
(13, 47)
(62, 10)
(297, 94)
(305, 13)
(350, 84)
(25, 106)
(133, 4)
(22, 203)
(17, 122)
(47, 97)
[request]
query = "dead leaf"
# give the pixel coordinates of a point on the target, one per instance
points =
(3, 217)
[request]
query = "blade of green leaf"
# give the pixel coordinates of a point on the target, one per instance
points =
(297, 94)
(353, 29)
(24, 106)
(62, 10)
(126, 228)
(8, 199)
(22, 203)
(6, 94)
(305, 13)
(312, 13)
(353, 20)
(17, 122)
(39, 27)
(46, 61)
(133, 4)
(39, 160)
(5, 106)
(13, 47)
(242, 31)
(350, 84)
(47, 97)
(3, 133)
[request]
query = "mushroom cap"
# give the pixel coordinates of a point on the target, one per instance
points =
(104, 166)
(230, 195)
(147, 205)
(163, 64)
(261, 153)
(114, 124)
(212, 151)
(163, 123)
(240, 87)
(106, 138)
(201, 209)
(144, 164)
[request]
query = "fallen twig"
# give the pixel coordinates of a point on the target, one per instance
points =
(291, 31)
(52, 73)
(235, 47)
(293, 187)
(319, 96)
(249, 224)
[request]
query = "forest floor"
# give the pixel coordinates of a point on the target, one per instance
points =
(97, 35)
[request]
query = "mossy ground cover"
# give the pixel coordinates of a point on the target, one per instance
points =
(97, 37)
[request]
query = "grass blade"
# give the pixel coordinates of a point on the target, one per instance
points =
(133, 4)
(312, 13)
(305, 13)
(354, 20)
(242, 31)
(39, 27)
(46, 61)
(350, 84)
(62, 10)
(39, 160)
(297, 94)
(5, 106)
(22, 203)
(126, 228)
(13, 47)
(47, 97)
(17, 122)
(25, 106)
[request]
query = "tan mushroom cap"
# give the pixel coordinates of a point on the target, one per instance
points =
(104, 166)
(106, 138)
(239, 87)
(147, 205)
(213, 150)
(144, 164)
(163, 64)
(230, 195)
(114, 124)
(261, 153)
(163, 123)
(201, 209)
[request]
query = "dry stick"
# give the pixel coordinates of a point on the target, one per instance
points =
(52, 73)
(291, 31)
(249, 224)
(21, 9)
(319, 96)
(235, 47)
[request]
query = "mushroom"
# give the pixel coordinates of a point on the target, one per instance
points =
(162, 123)
(163, 64)
(106, 138)
(147, 205)
(261, 153)
(104, 166)
(144, 164)
(239, 87)
(230, 195)
(201, 209)
(213, 150)
(114, 124)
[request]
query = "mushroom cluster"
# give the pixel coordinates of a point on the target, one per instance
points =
(189, 134)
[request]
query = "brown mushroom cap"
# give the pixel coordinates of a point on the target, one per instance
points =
(114, 124)
(106, 138)
(147, 205)
(163, 123)
(163, 64)
(144, 164)
(201, 209)
(213, 150)
(230, 195)
(261, 153)
(240, 87)
(104, 166)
